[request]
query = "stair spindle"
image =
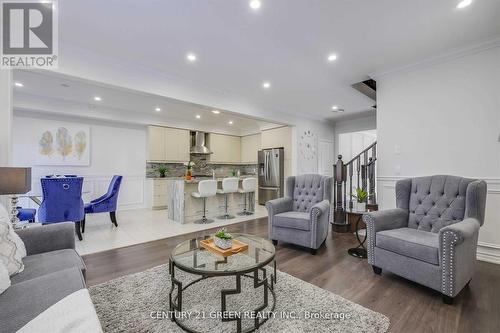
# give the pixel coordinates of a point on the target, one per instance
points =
(343, 177)
(350, 186)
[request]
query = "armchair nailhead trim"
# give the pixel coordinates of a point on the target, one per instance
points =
(314, 220)
(448, 263)
(371, 241)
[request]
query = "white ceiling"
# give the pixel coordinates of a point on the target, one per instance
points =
(44, 91)
(285, 42)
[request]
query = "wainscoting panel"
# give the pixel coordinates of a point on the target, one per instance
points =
(489, 235)
(131, 191)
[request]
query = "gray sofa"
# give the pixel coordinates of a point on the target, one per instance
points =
(302, 216)
(431, 237)
(52, 271)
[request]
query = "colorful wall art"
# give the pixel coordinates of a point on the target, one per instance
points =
(63, 144)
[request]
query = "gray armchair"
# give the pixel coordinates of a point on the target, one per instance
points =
(431, 237)
(302, 216)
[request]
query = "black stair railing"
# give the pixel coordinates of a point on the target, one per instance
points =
(359, 172)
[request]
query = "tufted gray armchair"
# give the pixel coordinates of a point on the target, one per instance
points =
(431, 237)
(302, 216)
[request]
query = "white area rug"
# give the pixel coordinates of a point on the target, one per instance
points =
(139, 303)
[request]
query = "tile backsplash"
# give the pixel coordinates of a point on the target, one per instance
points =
(201, 168)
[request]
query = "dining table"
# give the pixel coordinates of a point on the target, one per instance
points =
(38, 197)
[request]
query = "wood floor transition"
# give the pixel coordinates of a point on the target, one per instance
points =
(410, 307)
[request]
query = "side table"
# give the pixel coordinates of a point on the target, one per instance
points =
(360, 250)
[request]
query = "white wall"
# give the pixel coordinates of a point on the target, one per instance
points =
(444, 119)
(5, 116)
(352, 143)
(323, 131)
(5, 123)
(365, 123)
(114, 150)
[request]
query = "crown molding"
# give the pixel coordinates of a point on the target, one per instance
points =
(445, 57)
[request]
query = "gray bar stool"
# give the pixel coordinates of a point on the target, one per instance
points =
(206, 188)
(229, 185)
(248, 188)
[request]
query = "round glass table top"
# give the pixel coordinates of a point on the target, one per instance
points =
(192, 257)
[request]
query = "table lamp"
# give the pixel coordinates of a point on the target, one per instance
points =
(14, 181)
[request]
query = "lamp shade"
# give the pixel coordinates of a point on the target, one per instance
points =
(15, 180)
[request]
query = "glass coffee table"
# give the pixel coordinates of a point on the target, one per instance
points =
(190, 257)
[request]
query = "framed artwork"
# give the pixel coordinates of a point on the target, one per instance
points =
(63, 144)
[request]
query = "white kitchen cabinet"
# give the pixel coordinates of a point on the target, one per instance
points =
(156, 193)
(156, 143)
(168, 144)
(250, 145)
(225, 148)
(177, 144)
(280, 137)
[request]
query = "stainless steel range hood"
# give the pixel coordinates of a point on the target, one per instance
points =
(198, 143)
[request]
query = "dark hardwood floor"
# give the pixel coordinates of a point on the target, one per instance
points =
(410, 307)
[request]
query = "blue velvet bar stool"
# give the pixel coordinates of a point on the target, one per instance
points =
(26, 214)
(62, 201)
(106, 203)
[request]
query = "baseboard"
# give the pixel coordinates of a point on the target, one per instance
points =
(489, 253)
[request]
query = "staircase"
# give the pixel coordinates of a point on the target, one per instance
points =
(359, 172)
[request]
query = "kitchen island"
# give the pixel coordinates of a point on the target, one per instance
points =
(184, 208)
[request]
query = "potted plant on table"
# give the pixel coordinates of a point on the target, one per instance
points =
(223, 239)
(162, 170)
(361, 196)
(189, 170)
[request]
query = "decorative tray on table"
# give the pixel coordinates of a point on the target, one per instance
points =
(236, 248)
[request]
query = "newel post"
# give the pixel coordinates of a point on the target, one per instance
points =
(339, 192)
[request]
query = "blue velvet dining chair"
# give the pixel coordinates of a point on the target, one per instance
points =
(26, 214)
(105, 203)
(62, 201)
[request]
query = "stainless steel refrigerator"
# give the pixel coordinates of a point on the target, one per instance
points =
(271, 170)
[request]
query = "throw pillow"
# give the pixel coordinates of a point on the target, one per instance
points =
(10, 254)
(4, 278)
(5, 218)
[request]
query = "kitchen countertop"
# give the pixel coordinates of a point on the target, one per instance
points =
(219, 179)
(198, 179)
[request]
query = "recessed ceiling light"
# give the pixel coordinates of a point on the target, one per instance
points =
(97, 98)
(191, 57)
(332, 57)
(215, 111)
(230, 122)
(464, 3)
(18, 84)
(266, 85)
(157, 109)
(255, 4)
(198, 116)
(338, 110)
(335, 107)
